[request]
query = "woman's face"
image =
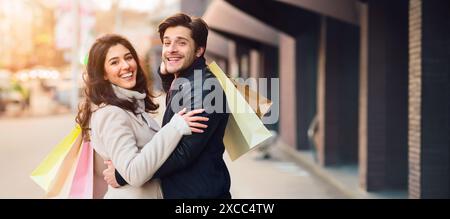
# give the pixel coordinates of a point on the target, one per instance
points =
(120, 67)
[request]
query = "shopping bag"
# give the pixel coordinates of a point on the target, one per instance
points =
(62, 182)
(48, 170)
(257, 102)
(83, 179)
(244, 131)
(67, 172)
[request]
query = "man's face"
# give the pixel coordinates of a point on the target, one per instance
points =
(178, 51)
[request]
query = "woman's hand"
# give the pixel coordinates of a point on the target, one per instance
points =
(109, 174)
(193, 121)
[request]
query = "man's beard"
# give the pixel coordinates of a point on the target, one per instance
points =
(182, 69)
(177, 71)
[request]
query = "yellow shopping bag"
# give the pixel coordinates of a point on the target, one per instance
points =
(244, 130)
(54, 174)
(257, 102)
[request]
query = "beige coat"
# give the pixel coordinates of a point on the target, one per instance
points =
(136, 145)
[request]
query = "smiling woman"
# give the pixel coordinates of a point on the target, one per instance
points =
(120, 67)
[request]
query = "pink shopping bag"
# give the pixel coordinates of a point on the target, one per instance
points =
(83, 179)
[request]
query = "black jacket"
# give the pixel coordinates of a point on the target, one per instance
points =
(196, 168)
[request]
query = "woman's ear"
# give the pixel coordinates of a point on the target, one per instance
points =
(200, 51)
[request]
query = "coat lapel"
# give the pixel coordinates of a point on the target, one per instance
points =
(152, 123)
(132, 115)
(168, 112)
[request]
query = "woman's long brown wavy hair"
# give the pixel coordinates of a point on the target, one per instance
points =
(98, 90)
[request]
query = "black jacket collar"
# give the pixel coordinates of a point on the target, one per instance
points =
(199, 63)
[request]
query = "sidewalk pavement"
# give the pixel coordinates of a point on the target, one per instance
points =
(344, 178)
(254, 177)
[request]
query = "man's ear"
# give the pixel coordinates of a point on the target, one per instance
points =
(200, 51)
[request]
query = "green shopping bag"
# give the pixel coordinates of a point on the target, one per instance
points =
(56, 170)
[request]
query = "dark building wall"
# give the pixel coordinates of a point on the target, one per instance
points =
(269, 63)
(344, 49)
(338, 93)
(243, 58)
(307, 44)
(269, 59)
(384, 118)
(397, 96)
(435, 98)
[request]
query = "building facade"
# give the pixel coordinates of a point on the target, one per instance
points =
(373, 74)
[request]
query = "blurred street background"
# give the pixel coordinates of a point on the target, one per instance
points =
(360, 88)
